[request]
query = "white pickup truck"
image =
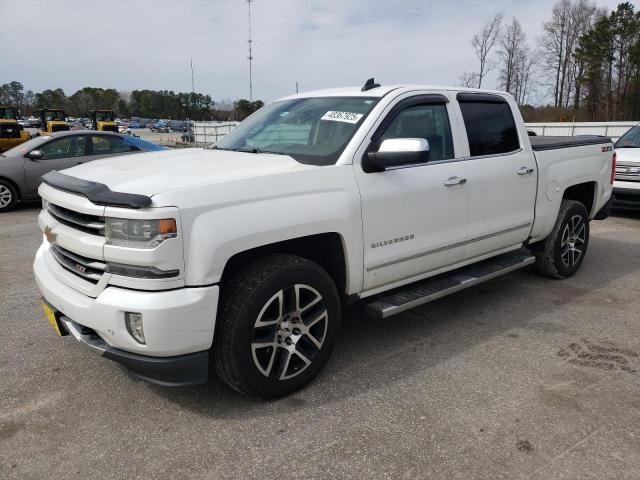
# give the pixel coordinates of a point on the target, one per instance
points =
(626, 187)
(238, 258)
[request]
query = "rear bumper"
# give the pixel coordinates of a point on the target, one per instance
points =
(176, 371)
(626, 196)
(603, 213)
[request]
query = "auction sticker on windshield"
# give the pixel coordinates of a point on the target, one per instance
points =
(348, 117)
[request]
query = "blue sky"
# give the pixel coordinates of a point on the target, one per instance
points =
(139, 44)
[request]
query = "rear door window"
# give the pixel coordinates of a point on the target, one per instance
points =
(109, 145)
(491, 128)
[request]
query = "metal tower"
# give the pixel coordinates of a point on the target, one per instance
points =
(250, 57)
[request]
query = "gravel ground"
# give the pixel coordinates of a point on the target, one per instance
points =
(522, 377)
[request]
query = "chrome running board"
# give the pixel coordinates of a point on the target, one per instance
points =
(404, 298)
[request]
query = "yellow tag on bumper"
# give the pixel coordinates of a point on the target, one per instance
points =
(51, 316)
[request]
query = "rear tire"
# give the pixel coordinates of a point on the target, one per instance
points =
(562, 252)
(8, 196)
(278, 322)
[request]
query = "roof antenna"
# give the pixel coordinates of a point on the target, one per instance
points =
(369, 84)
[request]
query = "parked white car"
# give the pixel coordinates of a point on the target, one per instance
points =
(238, 258)
(626, 188)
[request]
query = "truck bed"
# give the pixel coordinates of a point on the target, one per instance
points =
(553, 143)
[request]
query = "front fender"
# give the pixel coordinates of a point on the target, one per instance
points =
(292, 206)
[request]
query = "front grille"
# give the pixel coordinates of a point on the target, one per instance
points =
(628, 171)
(81, 221)
(87, 268)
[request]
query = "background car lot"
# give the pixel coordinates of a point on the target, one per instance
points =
(523, 377)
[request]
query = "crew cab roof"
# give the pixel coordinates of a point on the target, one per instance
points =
(385, 89)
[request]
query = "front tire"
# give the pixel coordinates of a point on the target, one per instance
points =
(562, 252)
(278, 322)
(8, 196)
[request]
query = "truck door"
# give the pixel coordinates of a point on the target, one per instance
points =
(414, 217)
(502, 175)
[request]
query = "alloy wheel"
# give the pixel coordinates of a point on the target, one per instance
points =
(289, 332)
(6, 196)
(573, 240)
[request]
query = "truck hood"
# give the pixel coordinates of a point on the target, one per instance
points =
(159, 172)
(631, 155)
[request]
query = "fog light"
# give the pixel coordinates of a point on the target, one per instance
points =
(133, 322)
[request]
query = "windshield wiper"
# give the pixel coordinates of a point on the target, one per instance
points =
(245, 150)
(248, 150)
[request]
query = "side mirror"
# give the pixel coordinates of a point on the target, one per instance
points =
(396, 152)
(35, 154)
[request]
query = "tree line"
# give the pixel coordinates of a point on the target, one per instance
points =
(137, 103)
(586, 63)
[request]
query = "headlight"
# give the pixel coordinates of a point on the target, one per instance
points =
(124, 232)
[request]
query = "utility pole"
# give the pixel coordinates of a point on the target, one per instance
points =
(193, 88)
(250, 57)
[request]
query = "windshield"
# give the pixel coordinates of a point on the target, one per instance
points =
(7, 113)
(631, 139)
(105, 116)
(54, 115)
(311, 130)
(142, 144)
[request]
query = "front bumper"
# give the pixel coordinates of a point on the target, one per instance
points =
(176, 322)
(626, 195)
(177, 371)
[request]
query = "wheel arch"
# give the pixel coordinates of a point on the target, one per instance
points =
(14, 185)
(584, 193)
(326, 249)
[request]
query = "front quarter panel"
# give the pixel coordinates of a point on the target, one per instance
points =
(222, 220)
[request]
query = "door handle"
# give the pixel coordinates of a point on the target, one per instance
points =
(525, 170)
(449, 182)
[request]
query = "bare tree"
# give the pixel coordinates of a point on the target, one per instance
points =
(124, 95)
(483, 42)
(468, 79)
(511, 50)
(523, 75)
(570, 19)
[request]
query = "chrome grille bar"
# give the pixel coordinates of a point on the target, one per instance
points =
(86, 268)
(92, 223)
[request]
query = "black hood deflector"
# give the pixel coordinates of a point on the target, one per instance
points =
(97, 193)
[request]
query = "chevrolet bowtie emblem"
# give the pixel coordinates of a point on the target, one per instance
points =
(51, 237)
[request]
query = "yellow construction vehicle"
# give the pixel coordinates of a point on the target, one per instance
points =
(103, 120)
(53, 120)
(11, 132)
